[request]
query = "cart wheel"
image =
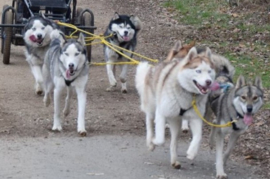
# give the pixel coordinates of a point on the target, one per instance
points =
(78, 12)
(7, 33)
(87, 22)
(3, 29)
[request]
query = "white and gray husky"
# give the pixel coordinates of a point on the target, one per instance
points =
(37, 40)
(66, 66)
(166, 92)
(124, 29)
(240, 103)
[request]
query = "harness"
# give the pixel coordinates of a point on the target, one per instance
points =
(68, 82)
(234, 126)
(182, 111)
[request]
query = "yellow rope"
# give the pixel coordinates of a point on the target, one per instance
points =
(207, 122)
(103, 40)
(115, 63)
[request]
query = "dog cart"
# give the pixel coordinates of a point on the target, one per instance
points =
(14, 18)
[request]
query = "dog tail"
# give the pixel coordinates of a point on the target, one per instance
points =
(223, 66)
(141, 73)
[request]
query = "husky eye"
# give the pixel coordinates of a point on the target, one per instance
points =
(34, 29)
(255, 98)
(121, 26)
(43, 28)
(243, 98)
(198, 71)
(209, 71)
(66, 54)
(76, 54)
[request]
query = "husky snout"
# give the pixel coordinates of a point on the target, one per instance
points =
(249, 108)
(39, 36)
(208, 83)
(71, 68)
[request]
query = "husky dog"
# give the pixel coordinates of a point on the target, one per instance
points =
(225, 72)
(37, 39)
(124, 29)
(166, 92)
(66, 65)
(240, 103)
(179, 51)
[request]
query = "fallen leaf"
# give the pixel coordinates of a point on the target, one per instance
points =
(250, 157)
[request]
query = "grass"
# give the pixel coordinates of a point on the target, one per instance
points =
(218, 17)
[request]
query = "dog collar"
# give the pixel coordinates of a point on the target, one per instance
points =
(68, 82)
(182, 111)
(234, 126)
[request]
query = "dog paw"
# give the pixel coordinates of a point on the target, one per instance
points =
(39, 92)
(176, 165)
(190, 155)
(157, 142)
(185, 131)
(82, 133)
(57, 128)
(109, 89)
(66, 112)
(46, 101)
(221, 176)
(151, 147)
(124, 90)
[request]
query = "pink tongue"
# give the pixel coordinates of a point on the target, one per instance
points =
(248, 119)
(215, 86)
(67, 74)
(33, 38)
(126, 38)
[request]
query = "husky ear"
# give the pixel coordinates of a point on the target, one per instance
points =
(258, 82)
(240, 82)
(81, 39)
(176, 48)
(208, 53)
(116, 16)
(192, 53)
(136, 22)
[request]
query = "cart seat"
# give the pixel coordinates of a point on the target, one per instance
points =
(53, 5)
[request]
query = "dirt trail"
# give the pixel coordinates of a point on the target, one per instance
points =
(115, 144)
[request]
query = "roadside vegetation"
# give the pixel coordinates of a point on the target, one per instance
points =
(241, 33)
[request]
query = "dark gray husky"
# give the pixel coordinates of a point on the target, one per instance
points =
(239, 103)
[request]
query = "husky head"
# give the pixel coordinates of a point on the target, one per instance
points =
(198, 73)
(73, 55)
(37, 31)
(248, 98)
(125, 27)
(179, 51)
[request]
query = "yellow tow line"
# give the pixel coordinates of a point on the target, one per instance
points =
(207, 122)
(103, 40)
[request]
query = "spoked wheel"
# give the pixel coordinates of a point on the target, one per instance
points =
(7, 36)
(86, 21)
